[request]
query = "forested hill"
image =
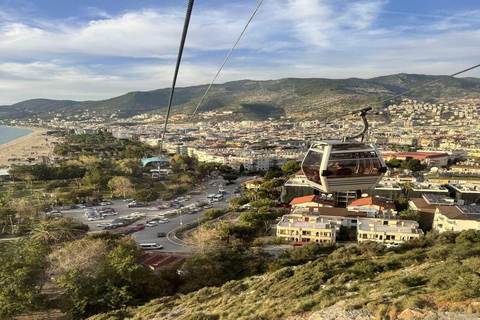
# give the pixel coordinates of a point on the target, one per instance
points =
(301, 98)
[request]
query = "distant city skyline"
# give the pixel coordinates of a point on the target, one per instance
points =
(89, 50)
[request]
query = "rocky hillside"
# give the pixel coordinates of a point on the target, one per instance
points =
(301, 98)
(437, 277)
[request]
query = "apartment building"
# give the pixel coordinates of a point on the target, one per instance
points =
(387, 230)
(305, 228)
(456, 218)
(467, 192)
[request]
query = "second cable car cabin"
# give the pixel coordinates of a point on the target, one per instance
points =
(335, 165)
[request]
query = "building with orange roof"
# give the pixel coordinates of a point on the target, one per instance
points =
(311, 201)
(380, 205)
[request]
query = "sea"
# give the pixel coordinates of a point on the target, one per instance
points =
(8, 134)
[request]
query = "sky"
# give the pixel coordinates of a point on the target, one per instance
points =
(91, 50)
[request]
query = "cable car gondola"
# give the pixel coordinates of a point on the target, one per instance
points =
(343, 165)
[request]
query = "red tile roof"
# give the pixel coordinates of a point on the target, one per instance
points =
(155, 261)
(371, 201)
(311, 198)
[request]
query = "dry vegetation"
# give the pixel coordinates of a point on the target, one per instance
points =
(439, 272)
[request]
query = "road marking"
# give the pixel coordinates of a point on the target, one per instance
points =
(175, 239)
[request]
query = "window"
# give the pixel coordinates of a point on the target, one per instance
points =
(311, 165)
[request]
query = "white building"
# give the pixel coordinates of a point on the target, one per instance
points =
(456, 218)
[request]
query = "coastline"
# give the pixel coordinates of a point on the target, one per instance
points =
(33, 145)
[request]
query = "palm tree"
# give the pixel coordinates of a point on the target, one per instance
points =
(45, 233)
(407, 187)
(68, 230)
(55, 231)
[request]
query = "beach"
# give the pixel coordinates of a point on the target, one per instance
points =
(33, 145)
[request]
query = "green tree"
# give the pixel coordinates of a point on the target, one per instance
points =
(272, 188)
(114, 280)
(182, 163)
(230, 178)
(146, 195)
(409, 215)
(59, 230)
(236, 203)
(406, 188)
(262, 203)
(97, 178)
(120, 186)
(213, 213)
(291, 167)
(22, 276)
(393, 163)
(130, 166)
(414, 165)
(401, 202)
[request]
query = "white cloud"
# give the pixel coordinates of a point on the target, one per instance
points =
(287, 38)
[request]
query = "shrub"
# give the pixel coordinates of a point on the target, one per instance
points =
(213, 213)
(370, 248)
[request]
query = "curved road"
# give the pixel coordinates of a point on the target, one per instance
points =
(149, 234)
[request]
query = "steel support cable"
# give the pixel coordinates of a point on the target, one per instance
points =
(177, 67)
(226, 59)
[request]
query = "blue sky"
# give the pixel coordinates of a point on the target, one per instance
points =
(85, 50)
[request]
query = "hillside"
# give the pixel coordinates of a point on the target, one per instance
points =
(300, 98)
(430, 276)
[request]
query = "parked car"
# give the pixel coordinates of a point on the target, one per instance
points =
(105, 203)
(150, 246)
(137, 214)
(151, 224)
(104, 224)
(138, 228)
(55, 214)
(153, 209)
(108, 213)
(119, 222)
(161, 235)
(95, 218)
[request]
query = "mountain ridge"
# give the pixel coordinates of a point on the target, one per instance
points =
(259, 99)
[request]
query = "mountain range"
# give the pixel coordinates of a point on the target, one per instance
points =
(251, 99)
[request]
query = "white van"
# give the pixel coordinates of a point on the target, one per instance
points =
(150, 246)
(218, 197)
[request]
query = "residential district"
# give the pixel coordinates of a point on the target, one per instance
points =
(441, 186)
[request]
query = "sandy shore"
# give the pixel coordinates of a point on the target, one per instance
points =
(33, 145)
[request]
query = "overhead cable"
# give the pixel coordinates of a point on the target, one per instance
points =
(177, 67)
(226, 59)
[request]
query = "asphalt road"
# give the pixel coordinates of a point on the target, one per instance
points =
(149, 234)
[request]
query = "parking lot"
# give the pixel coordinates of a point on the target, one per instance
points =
(149, 234)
